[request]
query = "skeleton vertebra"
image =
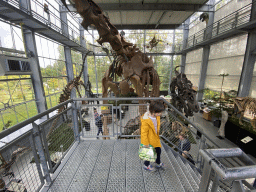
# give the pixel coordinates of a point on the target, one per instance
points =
(183, 94)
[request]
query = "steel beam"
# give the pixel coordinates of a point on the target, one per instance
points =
(31, 50)
(149, 7)
(70, 71)
(249, 60)
(206, 54)
(185, 37)
(83, 43)
(30, 44)
(145, 26)
(171, 66)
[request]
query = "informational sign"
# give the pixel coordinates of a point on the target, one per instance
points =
(246, 139)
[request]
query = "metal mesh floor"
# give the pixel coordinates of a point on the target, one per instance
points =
(113, 165)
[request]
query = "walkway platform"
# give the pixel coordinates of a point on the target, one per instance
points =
(113, 165)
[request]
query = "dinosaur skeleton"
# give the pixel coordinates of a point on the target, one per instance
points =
(153, 43)
(183, 94)
(5, 166)
(130, 64)
(243, 104)
(75, 83)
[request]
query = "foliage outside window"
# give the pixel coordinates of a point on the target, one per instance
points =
(53, 69)
(17, 101)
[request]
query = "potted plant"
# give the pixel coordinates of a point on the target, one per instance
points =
(219, 101)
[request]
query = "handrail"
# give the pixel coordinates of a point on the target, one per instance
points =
(216, 25)
(31, 120)
(179, 113)
(210, 156)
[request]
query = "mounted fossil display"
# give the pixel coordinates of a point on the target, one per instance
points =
(130, 64)
(183, 94)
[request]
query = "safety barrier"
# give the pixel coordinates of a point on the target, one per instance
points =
(30, 157)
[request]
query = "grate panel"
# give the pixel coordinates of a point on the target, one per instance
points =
(180, 173)
(134, 174)
(65, 177)
(116, 180)
(99, 177)
(187, 173)
(169, 176)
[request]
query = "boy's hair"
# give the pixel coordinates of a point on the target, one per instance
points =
(184, 135)
(156, 106)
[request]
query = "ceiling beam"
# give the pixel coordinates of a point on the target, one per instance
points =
(150, 7)
(150, 26)
(153, 7)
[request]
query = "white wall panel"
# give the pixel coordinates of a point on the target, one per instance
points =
(193, 68)
(194, 79)
(229, 48)
(230, 65)
(230, 8)
(230, 82)
(194, 56)
(198, 27)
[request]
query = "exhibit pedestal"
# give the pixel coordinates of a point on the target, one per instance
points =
(241, 137)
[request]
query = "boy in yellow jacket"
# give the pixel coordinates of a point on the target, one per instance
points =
(150, 126)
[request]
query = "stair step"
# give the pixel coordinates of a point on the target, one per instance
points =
(187, 173)
(170, 178)
(185, 182)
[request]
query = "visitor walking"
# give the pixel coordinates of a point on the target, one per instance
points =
(98, 122)
(150, 126)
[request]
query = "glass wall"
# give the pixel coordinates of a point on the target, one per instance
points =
(17, 100)
(53, 69)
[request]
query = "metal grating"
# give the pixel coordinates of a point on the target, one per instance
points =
(113, 165)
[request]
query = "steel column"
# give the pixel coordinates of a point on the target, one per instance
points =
(171, 66)
(249, 60)
(30, 43)
(205, 179)
(145, 34)
(185, 38)
(206, 53)
(70, 72)
(83, 44)
(31, 50)
(41, 154)
(203, 71)
(95, 66)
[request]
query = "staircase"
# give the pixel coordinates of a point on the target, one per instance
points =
(114, 165)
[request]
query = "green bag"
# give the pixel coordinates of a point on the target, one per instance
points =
(147, 154)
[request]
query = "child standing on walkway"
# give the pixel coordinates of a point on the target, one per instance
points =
(150, 126)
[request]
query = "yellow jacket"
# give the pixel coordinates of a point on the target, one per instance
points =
(148, 133)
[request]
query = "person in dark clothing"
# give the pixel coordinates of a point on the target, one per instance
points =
(187, 156)
(184, 143)
(98, 122)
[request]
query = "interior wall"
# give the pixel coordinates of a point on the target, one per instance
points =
(229, 8)
(252, 92)
(193, 65)
(225, 57)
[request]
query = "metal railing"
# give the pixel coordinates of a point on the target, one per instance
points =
(44, 145)
(227, 23)
(33, 149)
(49, 18)
(212, 163)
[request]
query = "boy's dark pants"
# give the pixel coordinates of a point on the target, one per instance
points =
(158, 153)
